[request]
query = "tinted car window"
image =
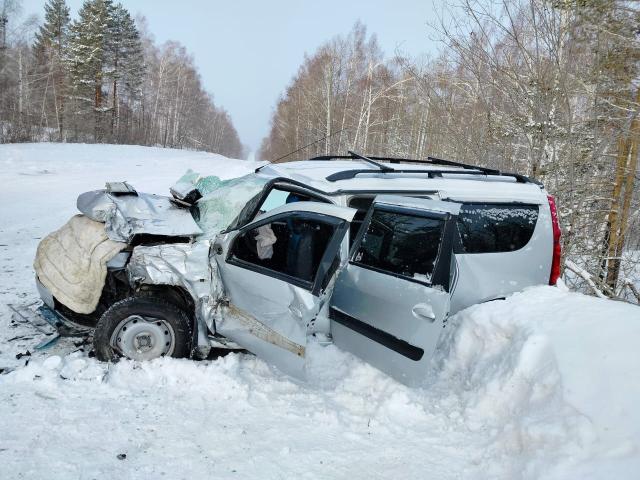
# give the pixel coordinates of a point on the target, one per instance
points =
(486, 228)
(401, 244)
(362, 204)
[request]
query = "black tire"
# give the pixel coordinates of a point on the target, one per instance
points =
(147, 306)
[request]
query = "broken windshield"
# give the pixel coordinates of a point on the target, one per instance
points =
(222, 200)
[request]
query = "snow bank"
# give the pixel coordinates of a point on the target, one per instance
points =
(537, 386)
(541, 385)
(549, 373)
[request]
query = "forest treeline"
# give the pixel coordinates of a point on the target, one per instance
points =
(546, 88)
(102, 78)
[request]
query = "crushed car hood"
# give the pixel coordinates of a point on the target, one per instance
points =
(130, 214)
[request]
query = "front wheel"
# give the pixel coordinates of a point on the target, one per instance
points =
(142, 328)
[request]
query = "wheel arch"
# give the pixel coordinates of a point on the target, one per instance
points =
(180, 297)
(174, 294)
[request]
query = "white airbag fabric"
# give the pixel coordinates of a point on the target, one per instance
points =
(71, 262)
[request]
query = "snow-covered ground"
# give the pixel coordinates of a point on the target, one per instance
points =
(542, 385)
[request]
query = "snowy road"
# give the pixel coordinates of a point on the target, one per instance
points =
(542, 385)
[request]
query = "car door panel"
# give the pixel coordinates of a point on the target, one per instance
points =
(393, 319)
(397, 348)
(279, 304)
(268, 312)
(269, 318)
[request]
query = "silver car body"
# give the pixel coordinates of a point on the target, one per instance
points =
(392, 322)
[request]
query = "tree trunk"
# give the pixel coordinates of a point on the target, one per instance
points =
(114, 107)
(613, 219)
(623, 192)
(329, 85)
(114, 110)
(20, 89)
(97, 105)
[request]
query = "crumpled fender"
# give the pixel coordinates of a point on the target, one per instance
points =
(184, 265)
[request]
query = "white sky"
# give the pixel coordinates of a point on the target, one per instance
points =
(248, 51)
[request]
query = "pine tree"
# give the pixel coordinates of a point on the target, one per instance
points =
(49, 48)
(52, 35)
(126, 62)
(88, 56)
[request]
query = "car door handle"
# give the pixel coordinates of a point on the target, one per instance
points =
(423, 312)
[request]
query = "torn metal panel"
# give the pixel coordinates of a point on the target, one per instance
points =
(120, 188)
(128, 215)
(180, 264)
(95, 204)
(184, 265)
(45, 294)
(261, 330)
(250, 331)
(119, 260)
(47, 322)
(185, 188)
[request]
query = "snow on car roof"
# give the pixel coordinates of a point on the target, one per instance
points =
(454, 186)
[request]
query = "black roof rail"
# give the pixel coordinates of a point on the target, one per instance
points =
(349, 174)
(429, 161)
(467, 169)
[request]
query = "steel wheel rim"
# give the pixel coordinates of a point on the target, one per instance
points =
(143, 338)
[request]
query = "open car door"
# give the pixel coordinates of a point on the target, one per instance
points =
(390, 302)
(274, 271)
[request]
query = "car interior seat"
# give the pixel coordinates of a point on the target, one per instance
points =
(301, 249)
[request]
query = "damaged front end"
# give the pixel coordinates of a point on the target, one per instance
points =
(127, 243)
(187, 270)
(81, 269)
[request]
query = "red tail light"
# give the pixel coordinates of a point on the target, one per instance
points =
(557, 249)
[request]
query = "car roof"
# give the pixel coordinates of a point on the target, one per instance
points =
(462, 184)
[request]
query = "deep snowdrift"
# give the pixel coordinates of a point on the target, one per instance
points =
(541, 385)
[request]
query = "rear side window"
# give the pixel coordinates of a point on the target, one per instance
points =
(401, 244)
(489, 228)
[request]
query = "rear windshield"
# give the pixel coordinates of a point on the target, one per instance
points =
(487, 228)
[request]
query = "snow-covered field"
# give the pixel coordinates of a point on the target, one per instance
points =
(543, 385)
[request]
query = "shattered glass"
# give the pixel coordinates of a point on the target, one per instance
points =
(220, 206)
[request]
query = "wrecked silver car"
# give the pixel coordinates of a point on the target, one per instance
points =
(365, 252)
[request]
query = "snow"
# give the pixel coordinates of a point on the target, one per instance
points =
(541, 385)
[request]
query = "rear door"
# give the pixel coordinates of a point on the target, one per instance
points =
(390, 302)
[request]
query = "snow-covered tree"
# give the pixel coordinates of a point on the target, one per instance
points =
(88, 55)
(102, 78)
(126, 68)
(49, 48)
(548, 88)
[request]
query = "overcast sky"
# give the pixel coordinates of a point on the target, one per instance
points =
(248, 51)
